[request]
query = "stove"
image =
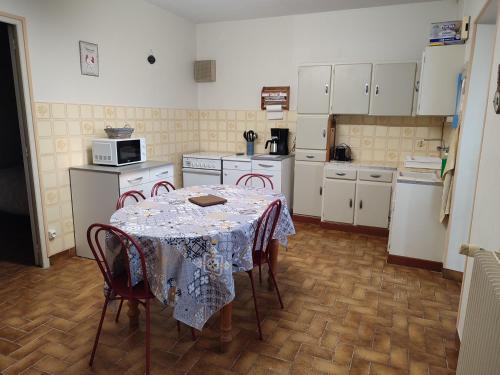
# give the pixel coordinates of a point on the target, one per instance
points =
(202, 168)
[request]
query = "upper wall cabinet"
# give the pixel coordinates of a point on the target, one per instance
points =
(314, 89)
(392, 89)
(438, 80)
(351, 88)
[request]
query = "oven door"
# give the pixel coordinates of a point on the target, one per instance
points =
(194, 177)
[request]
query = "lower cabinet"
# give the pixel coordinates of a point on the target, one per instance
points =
(307, 190)
(338, 200)
(373, 200)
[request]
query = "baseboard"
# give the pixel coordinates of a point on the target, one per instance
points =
(68, 253)
(373, 231)
(413, 262)
(306, 219)
(452, 275)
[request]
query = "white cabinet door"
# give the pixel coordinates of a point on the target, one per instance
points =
(338, 200)
(314, 89)
(308, 188)
(312, 131)
(229, 177)
(373, 201)
(351, 88)
(392, 90)
(274, 176)
(438, 80)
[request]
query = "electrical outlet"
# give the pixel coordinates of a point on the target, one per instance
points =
(420, 143)
(52, 234)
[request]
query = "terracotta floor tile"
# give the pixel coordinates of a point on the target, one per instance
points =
(350, 313)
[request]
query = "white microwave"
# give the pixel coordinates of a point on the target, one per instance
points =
(118, 152)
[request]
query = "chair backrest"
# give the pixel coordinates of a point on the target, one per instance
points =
(137, 195)
(266, 181)
(266, 225)
(161, 184)
(101, 235)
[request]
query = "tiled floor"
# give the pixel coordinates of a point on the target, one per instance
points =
(346, 311)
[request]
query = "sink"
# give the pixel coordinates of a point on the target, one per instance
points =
(419, 176)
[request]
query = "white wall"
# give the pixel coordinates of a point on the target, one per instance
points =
(254, 53)
(126, 31)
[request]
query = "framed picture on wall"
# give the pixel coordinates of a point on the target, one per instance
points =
(89, 59)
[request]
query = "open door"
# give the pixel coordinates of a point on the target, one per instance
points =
(485, 222)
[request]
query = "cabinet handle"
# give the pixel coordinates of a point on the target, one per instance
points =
(135, 179)
(326, 89)
(350, 203)
(360, 204)
(375, 175)
(321, 190)
(324, 133)
(340, 174)
(265, 165)
(161, 174)
(377, 90)
(367, 88)
(310, 156)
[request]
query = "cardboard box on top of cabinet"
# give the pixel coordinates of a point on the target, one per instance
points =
(449, 32)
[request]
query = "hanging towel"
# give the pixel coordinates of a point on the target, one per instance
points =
(448, 174)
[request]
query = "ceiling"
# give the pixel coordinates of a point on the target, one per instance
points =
(201, 11)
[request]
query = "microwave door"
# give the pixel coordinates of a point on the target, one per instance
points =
(128, 151)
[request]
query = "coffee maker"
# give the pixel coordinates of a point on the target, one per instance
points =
(278, 144)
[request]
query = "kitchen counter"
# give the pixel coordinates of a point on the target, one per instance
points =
(371, 165)
(272, 157)
(124, 169)
(243, 157)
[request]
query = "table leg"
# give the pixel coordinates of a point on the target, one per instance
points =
(226, 327)
(133, 314)
(273, 258)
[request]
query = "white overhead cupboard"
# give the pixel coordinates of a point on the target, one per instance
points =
(392, 89)
(383, 89)
(314, 89)
(351, 88)
(437, 86)
(312, 132)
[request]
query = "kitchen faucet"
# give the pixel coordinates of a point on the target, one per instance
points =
(442, 147)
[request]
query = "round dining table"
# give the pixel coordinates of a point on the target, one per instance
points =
(192, 251)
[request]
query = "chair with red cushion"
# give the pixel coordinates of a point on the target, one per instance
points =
(161, 184)
(246, 178)
(266, 225)
(137, 195)
(119, 286)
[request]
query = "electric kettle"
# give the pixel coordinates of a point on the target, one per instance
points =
(273, 145)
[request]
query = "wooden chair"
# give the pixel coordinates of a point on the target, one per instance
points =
(264, 232)
(119, 287)
(161, 184)
(137, 195)
(266, 181)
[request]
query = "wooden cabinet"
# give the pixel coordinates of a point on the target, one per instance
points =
(314, 89)
(373, 201)
(438, 80)
(338, 200)
(392, 90)
(312, 132)
(307, 191)
(95, 190)
(351, 88)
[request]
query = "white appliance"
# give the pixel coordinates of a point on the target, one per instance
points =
(202, 168)
(118, 152)
(415, 230)
(235, 166)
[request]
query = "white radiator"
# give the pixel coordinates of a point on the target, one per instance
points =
(480, 347)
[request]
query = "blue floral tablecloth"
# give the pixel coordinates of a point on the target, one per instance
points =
(191, 252)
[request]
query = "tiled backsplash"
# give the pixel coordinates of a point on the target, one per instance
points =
(389, 139)
(64, 133)
(223, 130)
(63, 136)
